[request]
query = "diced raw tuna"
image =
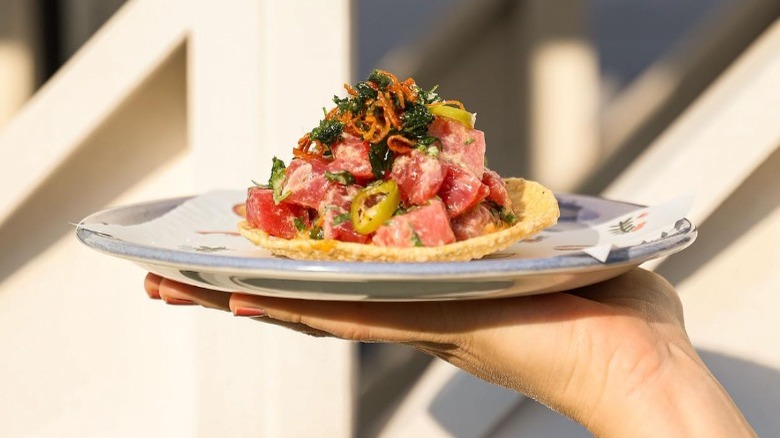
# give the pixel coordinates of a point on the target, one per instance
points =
(498, 191)
(351, 155)
(460, 145)
(276, 220)
(337, 195)
(461, 190)
(337, 225)
(418, 175)
(430, 224)
(305, 182)
(398, 232)
(474, 223)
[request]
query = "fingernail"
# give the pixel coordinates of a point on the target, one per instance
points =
(155, 294)
(248, 311)
(178, 301)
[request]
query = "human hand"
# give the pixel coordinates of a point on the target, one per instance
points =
(613, 356)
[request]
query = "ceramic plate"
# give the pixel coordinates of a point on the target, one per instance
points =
(194, 240)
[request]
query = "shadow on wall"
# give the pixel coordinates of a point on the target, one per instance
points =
(467, 407)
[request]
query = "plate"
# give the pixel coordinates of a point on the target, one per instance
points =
(194, 240)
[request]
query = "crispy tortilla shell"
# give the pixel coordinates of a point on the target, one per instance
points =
(533, 204)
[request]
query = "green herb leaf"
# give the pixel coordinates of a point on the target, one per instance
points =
(381, 159)
(343, 177)
(415, 121)
(507, 216)
(379, 79)
(469, 140)
(276, 182)
(428, 97)
(300, 225)
(328, 132)
(316, 233)
(416, 240)
(341, 218)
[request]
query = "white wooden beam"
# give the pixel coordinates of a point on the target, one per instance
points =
(260, 74)
(84, 92)
(719, 141)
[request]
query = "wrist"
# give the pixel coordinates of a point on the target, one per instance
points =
(679, 398)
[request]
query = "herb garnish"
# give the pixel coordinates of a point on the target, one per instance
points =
(328, 132)
(316, 233)
(415, 121)
(381, 159)
(343, 177)
(299, 224)
(341, 218)
(276, 180)
(416, 239)
(507, 216)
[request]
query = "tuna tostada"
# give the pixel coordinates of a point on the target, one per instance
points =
(393, 173)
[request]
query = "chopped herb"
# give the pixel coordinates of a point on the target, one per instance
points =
(379, 79)
(416, 240)
(381, 159)
(400, 210)
(316, 233)
(328, 132)
(415, 121)
(469, 140)
(428, 97)
(343, 177)
(300, 225)
(507, 216)
(428, 140)
(431, 151)
(276, 181)
(340, 219)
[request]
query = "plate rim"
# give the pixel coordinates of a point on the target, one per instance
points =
(314, 270)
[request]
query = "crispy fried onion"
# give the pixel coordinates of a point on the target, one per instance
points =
(378, 117)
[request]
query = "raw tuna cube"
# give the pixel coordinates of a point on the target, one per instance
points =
(461, 190)
(418, 175)
(276, 220)
(351, 155)
(429, 224)
(337, 225)
(337, 195)
(474, 223)
(305, 182)
(498, 191)
(460, 145)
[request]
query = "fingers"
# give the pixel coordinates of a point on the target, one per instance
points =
(152, 286)
(359, 321)
(175, 293)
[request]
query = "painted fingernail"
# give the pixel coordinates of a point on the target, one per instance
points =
(178, 301)
(248, 311)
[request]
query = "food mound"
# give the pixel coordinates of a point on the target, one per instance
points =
(393, 173)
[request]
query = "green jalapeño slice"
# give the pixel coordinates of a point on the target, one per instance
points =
(374, 205)
(453, 113)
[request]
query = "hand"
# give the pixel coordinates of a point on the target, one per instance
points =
(613, 356)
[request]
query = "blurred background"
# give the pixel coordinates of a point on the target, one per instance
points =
(108, 102)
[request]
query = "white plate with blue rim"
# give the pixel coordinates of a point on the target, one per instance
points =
(194, 240)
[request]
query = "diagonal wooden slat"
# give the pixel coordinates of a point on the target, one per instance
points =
(84, 92)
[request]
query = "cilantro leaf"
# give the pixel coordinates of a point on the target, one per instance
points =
(276, 182)
(343, 177)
